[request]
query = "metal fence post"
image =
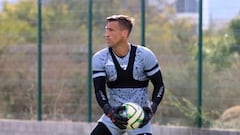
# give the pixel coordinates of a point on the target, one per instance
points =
(200, 66)
(90, 61)
(143, 22)
(39, 115)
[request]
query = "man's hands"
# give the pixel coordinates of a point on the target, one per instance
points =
(121, 122)
(148, 114)
(113, 114)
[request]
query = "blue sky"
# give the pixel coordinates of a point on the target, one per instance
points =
(223, 9)
(218, 9)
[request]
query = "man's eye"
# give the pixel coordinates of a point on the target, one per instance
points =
(108, 29)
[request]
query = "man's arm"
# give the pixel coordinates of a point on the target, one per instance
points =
(153, 71)
(158, 90)
(101, 96)
(157, 96)
(100, 90)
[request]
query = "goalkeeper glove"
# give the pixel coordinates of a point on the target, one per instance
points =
(148, 114)
(113, 114)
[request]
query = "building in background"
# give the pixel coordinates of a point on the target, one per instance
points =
(186, 6)
(190, 9)
(187, 9)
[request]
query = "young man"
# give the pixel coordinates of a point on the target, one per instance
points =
(126, 70)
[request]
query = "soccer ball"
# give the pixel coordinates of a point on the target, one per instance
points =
(134, 113)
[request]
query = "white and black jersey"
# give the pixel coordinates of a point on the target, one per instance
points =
(126, 77)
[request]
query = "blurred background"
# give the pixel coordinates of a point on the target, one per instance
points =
(171, 32)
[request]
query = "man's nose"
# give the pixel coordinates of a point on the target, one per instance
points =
(106, 34)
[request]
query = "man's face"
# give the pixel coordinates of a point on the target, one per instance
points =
(113, 34)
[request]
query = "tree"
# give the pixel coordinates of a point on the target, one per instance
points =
(18, 23)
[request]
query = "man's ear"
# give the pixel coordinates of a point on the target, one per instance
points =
(125, 33)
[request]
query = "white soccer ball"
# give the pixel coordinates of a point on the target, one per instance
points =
(134, 113)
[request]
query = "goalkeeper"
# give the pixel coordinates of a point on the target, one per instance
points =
(126, 70)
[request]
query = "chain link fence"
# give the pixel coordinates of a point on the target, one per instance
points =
(171, 31)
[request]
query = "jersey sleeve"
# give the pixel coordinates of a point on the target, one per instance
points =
(99, 78)
(151, 63)
(98, 69)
